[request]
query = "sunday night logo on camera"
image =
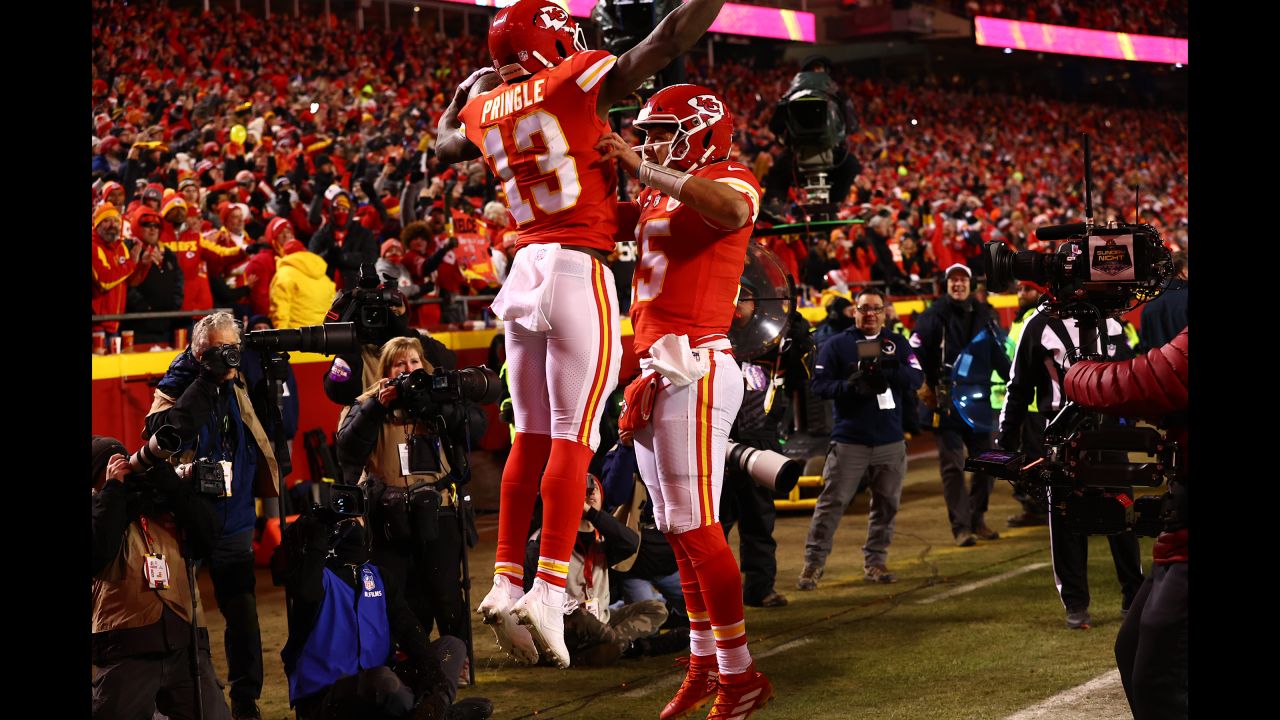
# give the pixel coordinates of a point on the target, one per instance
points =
(1112, 259)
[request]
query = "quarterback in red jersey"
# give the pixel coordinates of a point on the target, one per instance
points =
(536, 123)
(696, 214)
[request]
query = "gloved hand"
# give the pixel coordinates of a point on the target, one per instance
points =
(868, 382)
(315, 533)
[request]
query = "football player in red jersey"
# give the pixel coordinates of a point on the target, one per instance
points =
(536, 123)
(695, 219)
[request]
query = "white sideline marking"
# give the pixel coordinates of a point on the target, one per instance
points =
(783, 647)
(646, 688)
(1069, 697)
(982, 583)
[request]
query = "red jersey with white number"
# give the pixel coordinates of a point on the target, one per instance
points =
(539, 136)
(686, 281)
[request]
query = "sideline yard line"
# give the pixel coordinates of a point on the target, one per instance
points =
(1070, 697)
(648, 687)
(982, 583)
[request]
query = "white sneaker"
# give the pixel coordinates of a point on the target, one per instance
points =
(514, 640)
(543, 613)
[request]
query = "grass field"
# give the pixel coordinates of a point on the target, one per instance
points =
(928, 646)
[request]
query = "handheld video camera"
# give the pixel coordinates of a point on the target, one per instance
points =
(866, 377)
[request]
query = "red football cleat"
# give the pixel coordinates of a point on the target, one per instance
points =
(698, 688)
(741, 694)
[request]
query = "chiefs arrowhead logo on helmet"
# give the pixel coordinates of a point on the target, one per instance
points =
(708, 107)
(551, 17)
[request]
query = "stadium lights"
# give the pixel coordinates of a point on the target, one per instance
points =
(1177, 65)
(417, 8)
(1008, 51)
(914, 122)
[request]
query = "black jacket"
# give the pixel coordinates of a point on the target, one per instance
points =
(1164, 317)
(945, 328)
(160, 291)
(359, 246)
(153, 493)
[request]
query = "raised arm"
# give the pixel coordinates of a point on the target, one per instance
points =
(673, 37)
(452, 146)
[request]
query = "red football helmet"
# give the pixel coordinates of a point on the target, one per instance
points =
(703, 125)
(532, 35)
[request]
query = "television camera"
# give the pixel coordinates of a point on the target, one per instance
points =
(1098, 272)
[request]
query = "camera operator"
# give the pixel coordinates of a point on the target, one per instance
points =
(378, 319)
(1042, 358)
(1151, 647)
(204, 395)
(945, 329)
(841, 120)
(149, 525)
(344, 613)
(871, 376)
(411, 457)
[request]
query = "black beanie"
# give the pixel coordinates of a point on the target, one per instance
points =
(103, 448)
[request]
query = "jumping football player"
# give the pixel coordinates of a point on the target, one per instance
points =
(696, 214)
(537, 129)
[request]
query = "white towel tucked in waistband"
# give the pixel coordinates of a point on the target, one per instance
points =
(527, 294)
(671, 356)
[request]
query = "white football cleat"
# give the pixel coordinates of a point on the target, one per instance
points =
(542, 612)
(514, 640)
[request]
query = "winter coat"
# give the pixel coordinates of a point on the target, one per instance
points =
(301, 292)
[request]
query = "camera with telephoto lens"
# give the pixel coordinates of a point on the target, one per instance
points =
(770, 470)
(372, 301)
(159, 448)
(328, 339)
(421, 394)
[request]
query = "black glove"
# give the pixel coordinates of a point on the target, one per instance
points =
(214, 365)
(868, 381)
(315, 533)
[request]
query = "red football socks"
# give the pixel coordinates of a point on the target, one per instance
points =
(519, 492)
(702, 642)
(721, 585)
(564, 485)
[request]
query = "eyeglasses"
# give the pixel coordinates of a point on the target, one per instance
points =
(870, 309)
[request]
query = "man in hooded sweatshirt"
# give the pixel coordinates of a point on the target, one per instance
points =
(342, 243)
(301, 292)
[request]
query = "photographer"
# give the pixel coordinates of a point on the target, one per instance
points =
(1042, 358)
(871, 376)
(596, 633)
(945, 329)
(147, 525)
(380, 316)
(344, 613)
(204, 395)
(411, 458)
(1151, 647)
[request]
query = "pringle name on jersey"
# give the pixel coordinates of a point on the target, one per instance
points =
(517, 98)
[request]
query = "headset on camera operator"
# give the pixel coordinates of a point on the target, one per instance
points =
(148, 525)
(1151, 647)
(379, 314)
(409, 447)
(346, 616)
(204, 396)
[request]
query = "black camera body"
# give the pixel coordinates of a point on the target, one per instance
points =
(1108, 270)
(1085, 473)
(208, 479)
(342, 502)
(219, 360)
(421, 394)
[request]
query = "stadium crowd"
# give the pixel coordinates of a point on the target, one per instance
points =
(248, 153)
(261, 164)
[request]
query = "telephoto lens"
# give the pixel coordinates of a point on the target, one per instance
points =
(327, 339)
(770, 470)
(159, 448)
